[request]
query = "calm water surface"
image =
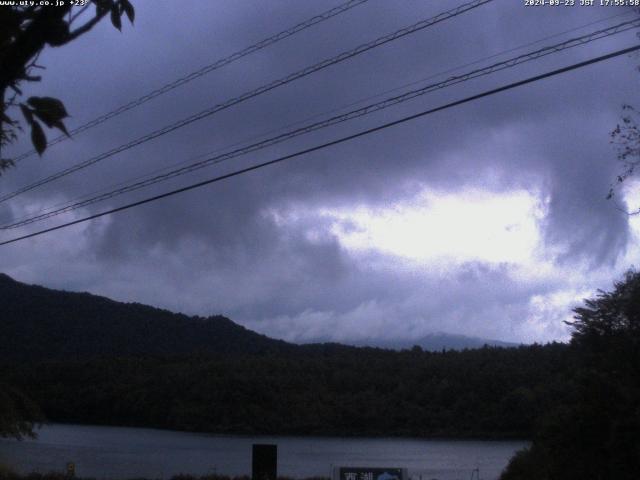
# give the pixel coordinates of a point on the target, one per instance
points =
(118, 453)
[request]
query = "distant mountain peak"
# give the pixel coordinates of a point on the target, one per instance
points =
(433, 341)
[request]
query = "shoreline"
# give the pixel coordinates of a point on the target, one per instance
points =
(327, 436)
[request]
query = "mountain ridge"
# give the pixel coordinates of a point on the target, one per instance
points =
(434, 342)
(39, 323)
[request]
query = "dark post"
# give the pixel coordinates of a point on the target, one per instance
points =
(71, 470)
(264, 464)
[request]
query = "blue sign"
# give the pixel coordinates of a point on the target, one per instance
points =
(365, 473)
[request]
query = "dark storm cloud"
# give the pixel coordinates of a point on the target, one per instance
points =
(224, 241)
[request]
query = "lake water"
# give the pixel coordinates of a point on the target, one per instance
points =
(118, 453)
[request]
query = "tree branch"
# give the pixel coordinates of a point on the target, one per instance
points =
(85, 28)
(80, 12)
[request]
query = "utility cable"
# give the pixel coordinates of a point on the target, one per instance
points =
(331, 143)
(253, 93)
(203, 71)
(319, 115)
(509, 63)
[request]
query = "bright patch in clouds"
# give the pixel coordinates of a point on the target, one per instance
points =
(548, 312)
(631, 197)
(468, 225)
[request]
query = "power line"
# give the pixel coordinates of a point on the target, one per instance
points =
(203, 71)
(332, 121)
(496, 67)
(332, 143)
(319, 115)
(253, 93)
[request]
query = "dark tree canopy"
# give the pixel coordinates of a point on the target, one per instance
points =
(610, 314)
(595, 433)
(24, 32)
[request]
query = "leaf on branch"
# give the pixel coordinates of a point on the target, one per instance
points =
(115, 16)
(50, 107)
(128, 10)
(50, 111)
(59, 125)
(38, 138)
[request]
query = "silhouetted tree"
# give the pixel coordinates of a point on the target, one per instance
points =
(626, 136)
(24, 32)
(595, 433)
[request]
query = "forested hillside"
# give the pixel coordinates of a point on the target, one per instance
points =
(88, 359)
(37, 323)
(489, 392)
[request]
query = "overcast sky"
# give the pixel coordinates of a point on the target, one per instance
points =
(487, 219)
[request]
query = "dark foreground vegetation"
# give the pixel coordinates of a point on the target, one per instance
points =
(594, 431)
(490, 392)
(580, 403)
(7, 474)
